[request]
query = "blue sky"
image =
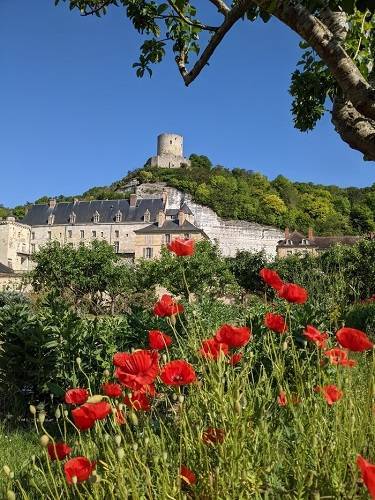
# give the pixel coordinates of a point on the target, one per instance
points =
(73, 114)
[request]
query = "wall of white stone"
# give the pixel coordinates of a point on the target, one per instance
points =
(231, 235)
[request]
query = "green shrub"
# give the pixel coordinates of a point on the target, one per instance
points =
(362, 317)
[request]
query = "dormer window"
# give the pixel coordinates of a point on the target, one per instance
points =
(304, 242)
(72, 218)
(51, 219)
(118, 216)
(96, 217)
(147, 216)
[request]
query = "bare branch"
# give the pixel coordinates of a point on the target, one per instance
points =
(221, 6)
(233, 16)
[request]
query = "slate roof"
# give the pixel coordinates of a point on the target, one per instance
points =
(84, 211)
(170, 226)
(296, 239)
(5, 269)
(320, 242)
(174, 211)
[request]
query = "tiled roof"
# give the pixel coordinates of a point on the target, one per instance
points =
(85, 210)
(170, 226)
(5, 269)
(323, 242)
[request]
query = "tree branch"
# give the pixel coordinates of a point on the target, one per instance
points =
(353, 128)
(221, 6)
(233, 16)
(189, 21)
(97, 9)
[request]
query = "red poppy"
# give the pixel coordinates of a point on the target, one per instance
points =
(112, 390)
(336, 356)
(76, 396)
(148, 389)
(182, 247)
(211, 349)
(233, 336)
(314, 335)
(353, 339)
(79, 467)
(58, 451)
(275, 322)
(187, 475)
(137, 369)
(293, 293)
(85, 416)
(331, 393)
(368, 474)
(158, 340)
(120, 417)
(167, 306)
(138, 401)
(178, 372)
(235, 358)
(281, 399)
(213, 436)
(271, 278)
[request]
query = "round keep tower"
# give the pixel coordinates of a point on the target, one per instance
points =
(170, 144)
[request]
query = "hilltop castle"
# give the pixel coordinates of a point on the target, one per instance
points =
(138, 227)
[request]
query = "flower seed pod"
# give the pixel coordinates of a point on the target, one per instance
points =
(6, 470)
(285, 346)
(181, 398)
(57, 413)
(78, 361)
(164, 358)
(120, 453)
(11, 495)
(32, 409)
(106, 373)
(66, 413)
(118, 439)
(174, 397)
(44, 440)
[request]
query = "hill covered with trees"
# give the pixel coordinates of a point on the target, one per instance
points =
(248, 195)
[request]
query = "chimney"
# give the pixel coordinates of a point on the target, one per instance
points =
(164, 197)
(133, 200)
(52, 203)
(310, 234)
(161, 218)
(287, 233)
(11, 219)
(181, 217)
(75, 200)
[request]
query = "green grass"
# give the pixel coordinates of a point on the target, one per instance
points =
(17, 445)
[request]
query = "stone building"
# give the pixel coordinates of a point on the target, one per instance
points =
(170, 152)
(297, 243)
(14, 244)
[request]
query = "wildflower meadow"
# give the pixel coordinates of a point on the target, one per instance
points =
(261, 404)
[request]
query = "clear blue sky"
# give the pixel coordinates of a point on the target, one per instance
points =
(73, 114)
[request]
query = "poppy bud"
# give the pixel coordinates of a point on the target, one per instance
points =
(107, 437)
(133, 418)
(118, 439)
(6, 470)
(11, 495)
(32, 409)
(106, 373)
(74, 480)
(57, 413)
(237, 407)
(78, 361)
(135, 446)
(173, 319)
(120, 453)
(285, 345)
(181, 398)
(41, 417)
(66, 413)
(164, 358)
(174, 397)
(97, 398)
(11, 475)
(121, 406)
(44, 440)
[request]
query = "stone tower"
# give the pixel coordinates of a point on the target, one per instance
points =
(170, 153)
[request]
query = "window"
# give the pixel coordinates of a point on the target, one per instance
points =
(117, 234)
(51, 219)
(96, 217)
(148, 239)
(72, 218)
(187, 236)
(102, 234)
(81, 243)
(116, 246)
(147, 216)
(167, 239)
(289, 252)
(93, 234)
(147, 253)
(70, 233)
(49, 235)
(126, 235)
(10, 263)
(118, 216)
(82, 232)
(32, 247)
(33, 236)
